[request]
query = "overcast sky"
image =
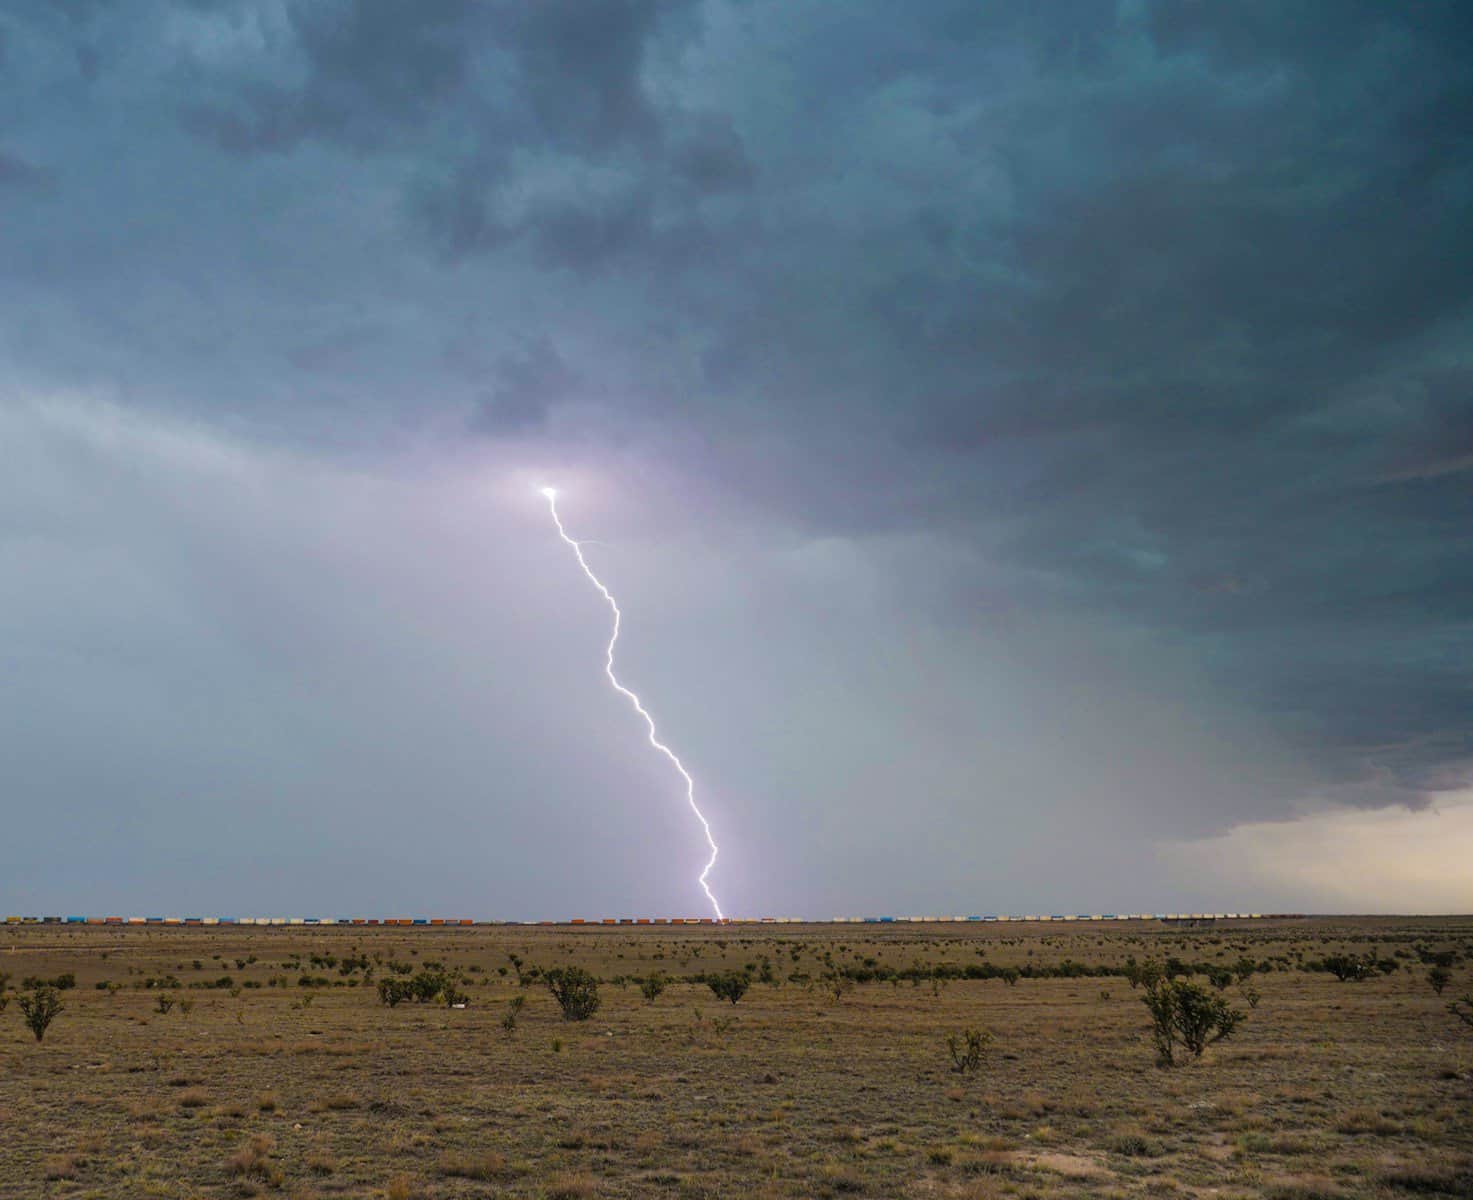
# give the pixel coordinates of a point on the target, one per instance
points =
(1032, 445)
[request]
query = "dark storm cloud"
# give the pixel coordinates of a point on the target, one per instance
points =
(367, 71)
(1150, 319)
(528, 384)
(23, 176)
(713, 157)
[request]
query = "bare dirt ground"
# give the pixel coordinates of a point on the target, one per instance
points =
(264, 1085)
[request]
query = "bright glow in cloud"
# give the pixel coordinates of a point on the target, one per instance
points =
(690, 784)
(1344, 860)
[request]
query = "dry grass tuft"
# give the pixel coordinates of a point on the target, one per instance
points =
(484, 1167)
(842, 1178)
(990, 1162)
(193, 1098)
(569, 1187)
(1367, 1120)
(322, 1162)
(1304, 1187)
(253, 1161)
(60, 1166)
(1428, 1180)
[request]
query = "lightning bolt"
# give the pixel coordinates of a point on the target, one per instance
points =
(690, 784)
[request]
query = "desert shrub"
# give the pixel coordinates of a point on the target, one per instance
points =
(427, 985)
(730, 985)
(966, 1050)
(575, 990)
(39, 1009)
(164, 1003)
(1220, 977)
(837, 983)
(1439, 978)
(651, 986)
(1133, 1145)
(1462, 1008)
(1347, 968)
(424, 987)
(1182, 1012)
(60, 983)
(513, 1011)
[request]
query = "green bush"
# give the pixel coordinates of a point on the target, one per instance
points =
(1439, 978)
(1187, 1014)
(39, 1008)
(651, 986)
(575, 990)
(61, 983)
(1220, 977)
(730, 985)
(513, 1010)
(966, 1051)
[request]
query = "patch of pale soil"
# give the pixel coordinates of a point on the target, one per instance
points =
(1074, 1166)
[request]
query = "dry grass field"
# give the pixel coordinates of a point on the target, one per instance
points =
(266, 1086)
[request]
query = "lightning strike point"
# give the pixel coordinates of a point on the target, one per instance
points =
(690, 783)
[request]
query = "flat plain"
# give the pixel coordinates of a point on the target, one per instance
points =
(276, 1070)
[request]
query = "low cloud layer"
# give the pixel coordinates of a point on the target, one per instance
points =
(1030, 436)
